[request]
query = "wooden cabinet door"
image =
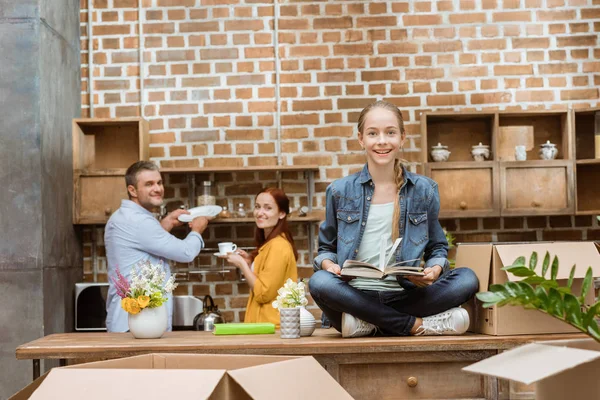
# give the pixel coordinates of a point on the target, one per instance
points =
(536, 187)
(467, 189)
(97, 197)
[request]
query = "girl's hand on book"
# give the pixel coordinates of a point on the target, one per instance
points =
(330, 266)
(431, 275)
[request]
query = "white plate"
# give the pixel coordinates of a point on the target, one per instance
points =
(202, 211)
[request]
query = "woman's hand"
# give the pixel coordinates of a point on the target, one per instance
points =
(234, 258)
(332, 267)
(431, 275)
(245, 256)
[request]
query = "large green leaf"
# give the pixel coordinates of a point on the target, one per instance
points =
(545, 264)
(533, 280)
(573, 310)
(587, 283)
(591, 314)
(556, 306)
(571, 277)
(549, 284)
(593, 330)
(519, 270)
(527, 291)
(554, 268)
(519, 261)
(533, 261)
(542, 297)
(497, 288)
(490, 297)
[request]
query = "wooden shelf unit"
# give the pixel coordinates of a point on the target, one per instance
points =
(501, 186)
(103, 149)
(586, 126)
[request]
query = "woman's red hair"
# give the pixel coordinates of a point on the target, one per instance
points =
(283, 204)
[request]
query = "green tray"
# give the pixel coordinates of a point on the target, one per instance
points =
(244, 328)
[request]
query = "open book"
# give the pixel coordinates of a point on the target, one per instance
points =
(366, 270)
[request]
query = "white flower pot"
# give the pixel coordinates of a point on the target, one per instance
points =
(289, 323)
(149, 323)
(307, 322)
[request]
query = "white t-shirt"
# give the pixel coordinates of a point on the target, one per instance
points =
(378, 228)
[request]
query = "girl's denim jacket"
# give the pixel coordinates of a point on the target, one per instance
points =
(348, 201)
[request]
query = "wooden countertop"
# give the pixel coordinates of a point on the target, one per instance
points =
(324, 341)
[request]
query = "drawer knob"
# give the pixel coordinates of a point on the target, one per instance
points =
(535, 203)
(412, 381)
(463, 205)
(107, 211)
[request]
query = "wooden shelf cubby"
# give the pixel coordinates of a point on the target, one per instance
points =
(586, 127)
(501, 186)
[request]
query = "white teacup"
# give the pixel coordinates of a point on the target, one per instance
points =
(227, 247)
(520, 153)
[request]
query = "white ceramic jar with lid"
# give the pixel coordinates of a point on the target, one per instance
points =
(439, 153)
(480, 152)
(548, 151)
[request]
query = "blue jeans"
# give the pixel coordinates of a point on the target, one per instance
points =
(394, 313)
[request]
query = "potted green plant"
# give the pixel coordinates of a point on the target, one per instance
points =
(536, 291)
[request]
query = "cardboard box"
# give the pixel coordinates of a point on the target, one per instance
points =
(487, 259)
(566, 369)
(188, 376)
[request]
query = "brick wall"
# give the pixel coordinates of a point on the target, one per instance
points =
(216, 93)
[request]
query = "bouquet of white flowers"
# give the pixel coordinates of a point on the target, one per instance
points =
(149, 287)
(291, 295)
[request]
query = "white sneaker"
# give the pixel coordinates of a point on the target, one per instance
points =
(455, 321)
(354, 327)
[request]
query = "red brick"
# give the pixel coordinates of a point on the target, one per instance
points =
(581, 94)
(406, 101)
(397, 48)
(311, 105)
(535, 96)
(295, 78)
(334, 131)
(248, 79)
(332, 23)
(487, 44)
(578, 41)
(424, 73)
(465, 72)
(442, 47)
(446, 100)
(219, 54)
(494, 97)
(354, 103)
(244, 134)
(261, 106)
(387, 75)
(560, 68)
(309, 51)
(201, 82)
(530, 43)
(102, 30)
(590, 13)
(321, 160)
(175, 55)
(164, 137)
(176, 109)
(300, 119)
(467, 18)
(223, 108)
(512, 16)
(513, 70)
(157, 28)
(259, 52)
(353, 49)
(422, 19)
(376, 22)
(293, 24)
(556, 15)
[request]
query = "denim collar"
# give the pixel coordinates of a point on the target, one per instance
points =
(365, 176)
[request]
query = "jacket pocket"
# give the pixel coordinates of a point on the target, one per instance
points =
(418, 231)
(348, 225)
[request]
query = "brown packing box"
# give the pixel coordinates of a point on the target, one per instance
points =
(188, 376)
(487, 259)
(566, 369)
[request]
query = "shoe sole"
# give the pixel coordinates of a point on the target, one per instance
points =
(344, 327)
(465, 317)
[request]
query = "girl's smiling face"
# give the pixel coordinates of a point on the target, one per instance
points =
(381, 136)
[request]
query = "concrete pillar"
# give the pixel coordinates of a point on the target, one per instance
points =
(40, 256)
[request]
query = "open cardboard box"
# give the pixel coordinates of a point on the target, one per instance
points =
(487, 259)
(188, 376)
(566, 369)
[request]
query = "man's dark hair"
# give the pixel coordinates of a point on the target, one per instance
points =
(135, 169)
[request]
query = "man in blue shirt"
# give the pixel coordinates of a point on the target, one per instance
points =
(133, 235)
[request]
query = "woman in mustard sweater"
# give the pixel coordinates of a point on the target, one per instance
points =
(274, 261)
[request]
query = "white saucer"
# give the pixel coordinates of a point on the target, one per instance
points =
(219, 254)
(202, 211)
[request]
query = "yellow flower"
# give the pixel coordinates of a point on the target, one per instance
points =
(143, 301)
(130, 305)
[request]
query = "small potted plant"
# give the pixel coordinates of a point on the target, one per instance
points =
(290, 299)
(144, 298)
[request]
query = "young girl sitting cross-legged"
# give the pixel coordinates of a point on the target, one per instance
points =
(385, 202)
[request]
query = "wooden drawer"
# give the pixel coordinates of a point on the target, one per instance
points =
(467, 189)
(97, 197)
(433, 375)
(536, 188)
